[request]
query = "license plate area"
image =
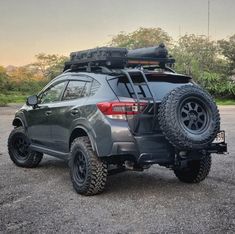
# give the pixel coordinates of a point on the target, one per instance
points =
(220, 138)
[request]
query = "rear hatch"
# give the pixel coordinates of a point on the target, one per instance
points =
(147, 92)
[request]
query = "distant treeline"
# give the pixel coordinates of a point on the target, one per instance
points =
(32, 77)
(211, 63)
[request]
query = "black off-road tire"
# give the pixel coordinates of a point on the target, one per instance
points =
(189, 117)
(196, 171)
(93, 180)
(27, 158)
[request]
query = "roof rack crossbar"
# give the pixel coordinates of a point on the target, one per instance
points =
(88, 68)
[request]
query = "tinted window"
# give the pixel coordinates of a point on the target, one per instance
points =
(76, 89)
(94, 87)
(123, 88)
(159, 86)
(52, 94)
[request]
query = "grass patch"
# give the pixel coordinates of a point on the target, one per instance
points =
(12, 97)
(223, 102)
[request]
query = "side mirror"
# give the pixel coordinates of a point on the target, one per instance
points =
(32, 100)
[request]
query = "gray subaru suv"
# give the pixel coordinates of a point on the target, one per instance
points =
(113, 110)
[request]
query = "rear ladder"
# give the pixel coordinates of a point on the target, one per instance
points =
(145, 82)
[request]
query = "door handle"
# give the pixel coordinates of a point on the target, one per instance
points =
(47, 113)
(74, 112)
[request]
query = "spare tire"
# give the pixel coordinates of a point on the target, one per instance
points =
(189, 117)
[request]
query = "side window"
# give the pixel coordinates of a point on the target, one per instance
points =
(75, 89)
(94, 87)
(52, 94)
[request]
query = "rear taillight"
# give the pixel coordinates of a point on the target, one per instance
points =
(119, 110)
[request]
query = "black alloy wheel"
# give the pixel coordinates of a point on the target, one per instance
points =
(193, 115)
(88, 172)
(79, 168)
(19, 149)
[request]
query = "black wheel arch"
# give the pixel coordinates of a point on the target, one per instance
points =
(18, 122)
(80, 131)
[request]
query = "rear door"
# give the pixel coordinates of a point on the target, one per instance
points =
(69, 110)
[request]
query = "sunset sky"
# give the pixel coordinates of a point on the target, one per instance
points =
(28, 27)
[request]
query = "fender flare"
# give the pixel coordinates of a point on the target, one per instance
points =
(88, 133)
(16, 119)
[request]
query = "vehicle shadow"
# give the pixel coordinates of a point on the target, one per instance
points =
(141, 182)
(157, 180)
(52, 162)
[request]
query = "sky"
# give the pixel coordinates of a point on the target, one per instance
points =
(29, 27)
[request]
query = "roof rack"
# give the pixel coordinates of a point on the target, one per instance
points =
(106, 58)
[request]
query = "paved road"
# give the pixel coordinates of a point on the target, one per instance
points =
(42, 200)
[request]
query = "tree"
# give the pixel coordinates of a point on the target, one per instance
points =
(142, 37)
(20, 74)
(200, 58)
(197, 52)
(50, 65)
(25, 79)
(4, 79)
(227, 48)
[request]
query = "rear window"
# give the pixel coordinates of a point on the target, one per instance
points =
(159, 85)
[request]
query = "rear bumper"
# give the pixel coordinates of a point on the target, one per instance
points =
(155, 149)
(145, 149)
(218, 148)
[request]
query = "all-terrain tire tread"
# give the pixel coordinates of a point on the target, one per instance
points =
(98, 169)
(196, 172)
(169, 123)
(35, 157)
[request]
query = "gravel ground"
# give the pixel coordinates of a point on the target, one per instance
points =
(42, 200)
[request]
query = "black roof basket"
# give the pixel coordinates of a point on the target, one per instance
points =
(119, 58)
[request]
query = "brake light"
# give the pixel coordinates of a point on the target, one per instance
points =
(113, 109)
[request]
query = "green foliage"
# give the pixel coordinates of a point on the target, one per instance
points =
(142, 37)
(201, 59)
(195, 56)
(195, 53)
(25, 79)
(28, 86)
(210, 63)
(223, 102)
(227, 48)
(217, 86)
(12, 97)
(21, 82)
(4, 80)
(50, 65)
